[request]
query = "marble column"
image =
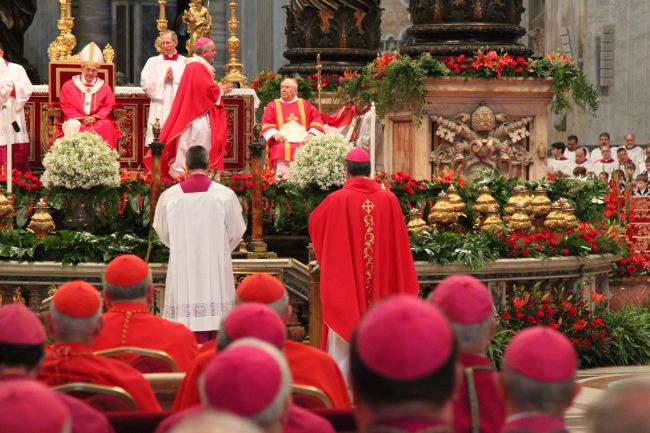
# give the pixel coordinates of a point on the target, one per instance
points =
(39, 36)
(220, 13)
(92, 22)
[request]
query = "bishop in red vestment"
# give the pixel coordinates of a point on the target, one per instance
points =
(87, 102)
(197, 116)
(74, 321)
(539, 384)
(467, 303)
(362, 245)
(282, 111)
(128, 293)
(22, 338)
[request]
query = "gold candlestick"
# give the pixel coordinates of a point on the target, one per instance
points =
(233, 67)
(319, 68)
(161, 24)
(60, 50)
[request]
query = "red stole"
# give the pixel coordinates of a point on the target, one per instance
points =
(362, 246)
(197, 95)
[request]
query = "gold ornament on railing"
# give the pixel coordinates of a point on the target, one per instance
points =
(41, 223)
(553, 220)
(233, 67)
(415, 222)
(519, 220)
(442, 216)
(540, 205)
(568, 217)
(6, 212)
(483, 203)
(18, 296)
(519, 197)
(161, 24)
(60, 50)
(199, 24)
(457, 203)
(492, 221)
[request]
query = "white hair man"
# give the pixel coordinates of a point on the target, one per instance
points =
(625, 408)
(74, 321)
(160, 79)
(286, 123)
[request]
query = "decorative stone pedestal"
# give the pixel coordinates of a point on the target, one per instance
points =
(472, 124)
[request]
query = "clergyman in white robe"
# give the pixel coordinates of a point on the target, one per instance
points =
(201, 222)
(160, 90)
(15, 90)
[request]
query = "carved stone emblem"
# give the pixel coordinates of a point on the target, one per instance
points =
(481, 140)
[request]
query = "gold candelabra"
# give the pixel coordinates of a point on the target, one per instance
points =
(233, 67)
(161, 24)
(319, 69)
(60, 50)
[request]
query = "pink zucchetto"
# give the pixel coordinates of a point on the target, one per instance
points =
(18, 325)
(256, 321)
(243, 380)
(463, 299)
(29, 406)
(404, 338)
(357, 155)
(202, 41)
(542, 354)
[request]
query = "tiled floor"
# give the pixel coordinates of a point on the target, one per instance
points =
(594, 383)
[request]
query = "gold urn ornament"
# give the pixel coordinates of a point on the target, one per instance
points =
(6, 212)
(519, 220)
(540, 205)
(442, 214)
(41, 223)
(415, 222)
(553, 220)
(518, 199)
(492, 221)
(568, 217)
(456, 202)
(484, 201)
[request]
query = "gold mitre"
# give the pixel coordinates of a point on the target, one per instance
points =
(91, 55)
(293, 132)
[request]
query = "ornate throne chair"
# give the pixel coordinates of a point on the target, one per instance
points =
(58, 74)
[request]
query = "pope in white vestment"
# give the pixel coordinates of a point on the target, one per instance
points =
(201, 222)
(160, 78)
(15, 90)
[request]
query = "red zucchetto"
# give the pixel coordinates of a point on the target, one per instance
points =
(262, 288)
(126, 270)
(77, 299)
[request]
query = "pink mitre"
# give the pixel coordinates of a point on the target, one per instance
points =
(202, 41)
(357, 155)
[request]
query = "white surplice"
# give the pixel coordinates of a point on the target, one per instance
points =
(201, 230)
(12, 108)
(161, 92)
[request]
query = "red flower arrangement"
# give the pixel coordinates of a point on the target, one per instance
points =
(633, 265)
(489, 65)
(381, 64)
(562, 311)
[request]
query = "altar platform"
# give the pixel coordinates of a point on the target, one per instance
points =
(134, 104)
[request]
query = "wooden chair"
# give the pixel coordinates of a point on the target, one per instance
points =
(58, 74)
(101, 397)
(143, 360)
(165, 386)
(310, 397)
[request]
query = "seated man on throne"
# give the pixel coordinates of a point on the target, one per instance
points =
(286, 123)
(87, 102)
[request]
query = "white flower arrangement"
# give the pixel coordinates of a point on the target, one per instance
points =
(83, 161)
(320, 162)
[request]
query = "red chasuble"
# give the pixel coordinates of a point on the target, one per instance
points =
(132, 324)
(75, 362)
(197, 95)
(101, 107)
(277, 113)
(481, 394)
(362, 246)
(534, 424)
(308, 366)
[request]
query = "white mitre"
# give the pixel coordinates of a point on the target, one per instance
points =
(91, 55)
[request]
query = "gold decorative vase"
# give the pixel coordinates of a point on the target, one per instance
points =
(41, 223)
(519, 197)
(492, 221)
(519, 220)
(415, 223)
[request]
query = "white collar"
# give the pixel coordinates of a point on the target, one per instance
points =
(295, 98)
